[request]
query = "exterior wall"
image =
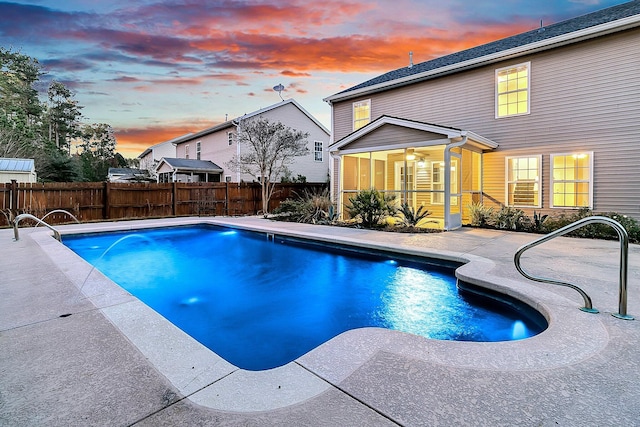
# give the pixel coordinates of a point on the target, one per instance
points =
(584, 98)
(166, 149)
(292, 117)
(18, 176)
(215, 146)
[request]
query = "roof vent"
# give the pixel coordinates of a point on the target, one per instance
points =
(541, 29)
(410, 59)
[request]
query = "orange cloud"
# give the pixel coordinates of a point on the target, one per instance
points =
(133, 141)
(358, 53)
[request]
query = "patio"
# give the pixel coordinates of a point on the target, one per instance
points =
(66, 360)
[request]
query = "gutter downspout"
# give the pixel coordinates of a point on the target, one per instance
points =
(447, 179)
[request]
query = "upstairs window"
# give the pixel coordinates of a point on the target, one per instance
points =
(361, 113)
(571, 178)
(317, 151)
(198, 149)
(523, 181)
(512, 90)
(230, 138)
(186, 151)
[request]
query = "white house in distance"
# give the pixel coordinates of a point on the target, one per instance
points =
(172, 169)
(150, 157)
(218, 143)
(20, 170)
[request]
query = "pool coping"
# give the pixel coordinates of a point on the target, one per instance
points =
(208, 380)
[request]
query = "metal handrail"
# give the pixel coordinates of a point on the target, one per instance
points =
(624, 256)
(56, 233)
(55, 211)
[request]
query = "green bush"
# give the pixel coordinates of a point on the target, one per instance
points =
(410, 217)
(508, 218)
(480, 214)
(313, 207)
(370, 207)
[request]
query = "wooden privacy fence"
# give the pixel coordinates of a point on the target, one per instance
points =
(98, 201)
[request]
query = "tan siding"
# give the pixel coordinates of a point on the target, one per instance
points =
(390, 134)
(584, 97)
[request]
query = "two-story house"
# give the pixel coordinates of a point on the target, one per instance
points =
(218, 144)
(547, 120)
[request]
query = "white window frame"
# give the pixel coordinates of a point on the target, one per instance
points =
(230, 138)
(498, 93)
(553, 181)
(508, 181)
(318, 154)
(357, 124)
(198, 149)
(186, 151)
(437, 186)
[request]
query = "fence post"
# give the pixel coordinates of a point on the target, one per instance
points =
(175, 199)
(106, 208)
(226, 198)
(13, 194)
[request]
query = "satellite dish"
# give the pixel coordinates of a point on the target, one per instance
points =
(279, 88)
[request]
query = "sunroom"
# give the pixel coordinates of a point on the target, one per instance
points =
(421, 164)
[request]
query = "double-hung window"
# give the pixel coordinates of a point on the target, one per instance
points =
(523, 181)
(198, 149)
(317, 151)
(361, 113)
(513, 86)
(230, 138)
(186, 151)
(571, 180)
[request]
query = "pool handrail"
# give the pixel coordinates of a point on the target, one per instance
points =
(624, 256)
(20, 217)
(58, 211)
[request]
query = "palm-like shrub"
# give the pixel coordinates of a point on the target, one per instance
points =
(370, 207)
(410, 217)
(312, 207)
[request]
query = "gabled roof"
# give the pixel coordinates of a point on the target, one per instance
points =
(16, 165)
(190, 164)
(446, 131)
(234, 122)
(126, 171)
(605, 21)
(171, 141)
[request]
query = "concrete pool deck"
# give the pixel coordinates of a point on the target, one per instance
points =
(77, 350)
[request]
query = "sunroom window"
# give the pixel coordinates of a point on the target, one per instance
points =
(361, 113)
(523, 181)
(571, 180)
(512, 90)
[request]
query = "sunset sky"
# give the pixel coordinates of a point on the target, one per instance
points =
(157, 69)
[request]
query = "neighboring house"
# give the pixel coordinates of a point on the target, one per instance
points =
(187, 170)
(218, 143)
(545, 121)
(127, 175)
(150, 157)
(20, 170)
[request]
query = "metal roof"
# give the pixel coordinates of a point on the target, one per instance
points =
(192, 164)
(16, 165)
(538, 35)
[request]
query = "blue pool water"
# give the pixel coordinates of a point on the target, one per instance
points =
(261, 301)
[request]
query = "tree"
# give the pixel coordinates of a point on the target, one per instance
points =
(266, 150)
(62, 116)
(56, 166)
(20, 108)
(18, 98)
(98, 150)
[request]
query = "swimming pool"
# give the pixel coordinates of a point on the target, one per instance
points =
(262, 300)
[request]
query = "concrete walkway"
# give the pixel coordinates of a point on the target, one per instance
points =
(79, 351)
